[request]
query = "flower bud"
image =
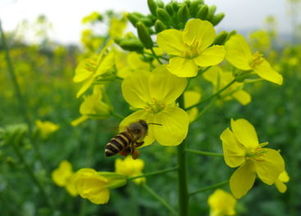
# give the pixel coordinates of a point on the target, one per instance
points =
(211, 12)
(160, 4)
(133, 19)
(163, 16)
(221, 38)
(217, 18)
(144, 35)
(159, 26)
(152, 7)
(183, 13)
(202, 12)
(194, 7)
(131, 44)
(169, 8)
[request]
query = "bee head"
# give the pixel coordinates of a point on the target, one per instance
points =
(138, 128)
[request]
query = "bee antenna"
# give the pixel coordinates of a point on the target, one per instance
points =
(151, 123)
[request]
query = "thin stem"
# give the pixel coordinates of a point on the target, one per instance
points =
(117, 115)
(154, 173)
(155, 55)
(203, 189)
(205, 153)
(159, 198)
(182, 173)
(213, 95)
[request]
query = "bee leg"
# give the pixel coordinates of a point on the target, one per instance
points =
(135, 154)
(138, 144)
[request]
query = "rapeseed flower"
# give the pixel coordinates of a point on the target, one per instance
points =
(154, 95)
(221, 203)
(239, 54)
(242, 149)
(283, 178)
(45, 128)
(191, 48)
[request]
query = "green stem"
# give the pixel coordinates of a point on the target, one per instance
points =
(155, 55)
(159, 198)
(182, 173)
(212, 96)
(117, 115)
(205, 153)
(203, 189)
(154, 173)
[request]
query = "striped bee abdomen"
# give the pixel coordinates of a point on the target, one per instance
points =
(118, 144)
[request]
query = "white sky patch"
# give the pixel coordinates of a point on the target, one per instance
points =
(66, 15)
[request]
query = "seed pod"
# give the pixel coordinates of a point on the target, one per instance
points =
(163, 16)
(152, 7)
(132, 44)
(202, 12)
(144, 35)
(221, 38)
(217, 18)
(159, 26)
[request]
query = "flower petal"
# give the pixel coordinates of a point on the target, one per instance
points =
(136, 116)
(165, 86)
(211, 56)
(269, 166)
(234, 152)
(242, 180)
(85, 86)
(182, 67)
(101, 197)
(199, 33)
(242, 96)
(175, 122)
(135, 89)
(281, 187)
(171, 42)
(238, 52)
(245, 133)
(265, 71)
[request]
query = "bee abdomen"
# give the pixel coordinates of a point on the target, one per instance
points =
(117, 144)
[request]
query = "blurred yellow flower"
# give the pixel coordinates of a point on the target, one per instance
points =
(191, 48)
(241, 148)
(239, 54)
(220, 79)
(130, 167)
(154, 94)
(95, 186)
(45, 128)
(283, 178)
(62, 176)
(260, 40)
(191, 98)
(117, 27)
(221, 203)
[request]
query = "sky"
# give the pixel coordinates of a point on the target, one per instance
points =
(66, 15)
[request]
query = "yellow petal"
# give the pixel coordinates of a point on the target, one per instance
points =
(101, 197)
(234, 152)
(106, 63)
(238, 52)
(171, 42)
(135, 89)
(211, 56)
(62, 173)
(136, 116)
(281, 187)
(242, 96)
(182, 67)
(173, 131)
(221, 203)
(85, 86)
(191, 98)
(85, 69)
(284, 177)
(245, 133)
(199, 34)
(164, 86)
(269, 165)
(242, 180)
(213, 75)
(266, 72)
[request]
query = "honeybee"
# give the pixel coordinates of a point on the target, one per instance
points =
(127, 141)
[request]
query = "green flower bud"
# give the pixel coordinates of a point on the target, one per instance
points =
(144, 35)
(160, 4)
(163, 16)
(194, 7)
(147, 21)
(218, 18)
(152, 7)
(159, 26)
(202, 12)
(133, 19)
(131, 44)
(169, 8)
(211, 12)
(221, 38)
(175, 6)
(183, 13)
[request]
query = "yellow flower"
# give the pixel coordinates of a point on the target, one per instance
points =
(191, 48)
(241, 148)
(220, 79)
(46, 128)
(283, 178)
(95, 186)
(239, 55)
(260, 40)
(117, 27)
(62, 176)
(130, 167)
(191, 98)
(154, 94)
(92, 68)
(221, 203)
